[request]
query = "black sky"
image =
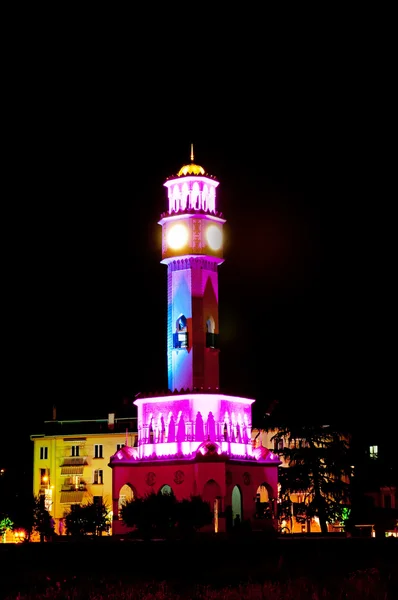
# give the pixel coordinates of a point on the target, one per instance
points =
(86, 293)
(89, 139)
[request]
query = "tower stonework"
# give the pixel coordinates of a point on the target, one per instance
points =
(193, 439)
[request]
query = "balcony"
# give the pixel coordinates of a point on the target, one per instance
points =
(74, 461)
(72, 487)
(71, 497)
(72, 470)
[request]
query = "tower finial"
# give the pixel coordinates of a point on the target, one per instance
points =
(191, 152)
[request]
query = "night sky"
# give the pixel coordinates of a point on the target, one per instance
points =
(86, 294)
(88, 148)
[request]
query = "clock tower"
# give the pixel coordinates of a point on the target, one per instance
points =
(192, 249)
(192, 439)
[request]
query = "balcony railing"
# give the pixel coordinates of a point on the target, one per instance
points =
(72, 461)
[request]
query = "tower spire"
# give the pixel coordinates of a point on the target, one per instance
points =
(192, 153)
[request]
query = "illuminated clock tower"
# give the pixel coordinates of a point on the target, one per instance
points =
(192, 439)
(192, 249)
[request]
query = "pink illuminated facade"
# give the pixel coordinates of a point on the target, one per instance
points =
(194, 439)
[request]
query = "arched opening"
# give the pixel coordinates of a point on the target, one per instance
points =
(211, 336)
(127, 494)
(180, 337)
(236, 506)
(166, 490)
(195, 197)
(264, 502)
(212, 495)
(184, 196)
(205, 196)
(176, 199)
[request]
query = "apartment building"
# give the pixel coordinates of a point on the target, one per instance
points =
(70, 461)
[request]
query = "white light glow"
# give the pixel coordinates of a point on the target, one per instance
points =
(177, 236)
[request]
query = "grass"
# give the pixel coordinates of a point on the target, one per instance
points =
(361, 585)
(211, 568)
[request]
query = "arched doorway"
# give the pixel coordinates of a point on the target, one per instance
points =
(126, 494)
(236, 506)
(212, 495)
(264, 508)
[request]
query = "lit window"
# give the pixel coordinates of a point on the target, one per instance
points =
(373, 451)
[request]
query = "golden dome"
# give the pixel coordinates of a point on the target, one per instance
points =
(191, 169)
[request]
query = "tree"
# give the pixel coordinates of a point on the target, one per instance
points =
(153, 514)
(87, 519)
(42, 520)
(5, 525)
(193, 514)
(318, 467)
(160, 514)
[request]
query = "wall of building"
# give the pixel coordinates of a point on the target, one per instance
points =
(62, 490)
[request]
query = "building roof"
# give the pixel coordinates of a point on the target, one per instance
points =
(89, 426)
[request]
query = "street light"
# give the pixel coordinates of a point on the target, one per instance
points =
(48, 492)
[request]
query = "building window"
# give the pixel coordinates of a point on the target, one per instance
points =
(43, 453)
(98, 476)
(97, 501)
(119, 446)
(44, 478)
(75, 451)
(180, 337)
(373, 451)
(387, 501)
(98, 448)
(278, 445)
(211, 335)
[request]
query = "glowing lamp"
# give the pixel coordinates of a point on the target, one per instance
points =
(177, 236)
(214, 237)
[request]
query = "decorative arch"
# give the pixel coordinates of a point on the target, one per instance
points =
(264, 500)
(209, 447)
(205, 197)
(236, 506)
(175, 199)
(210, 324)
(195, 198)
(211, 491)
(211, 202)
(185, 196)
(126, 493)
(212, 495)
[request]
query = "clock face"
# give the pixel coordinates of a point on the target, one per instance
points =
(214, 237)
(177, 236)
